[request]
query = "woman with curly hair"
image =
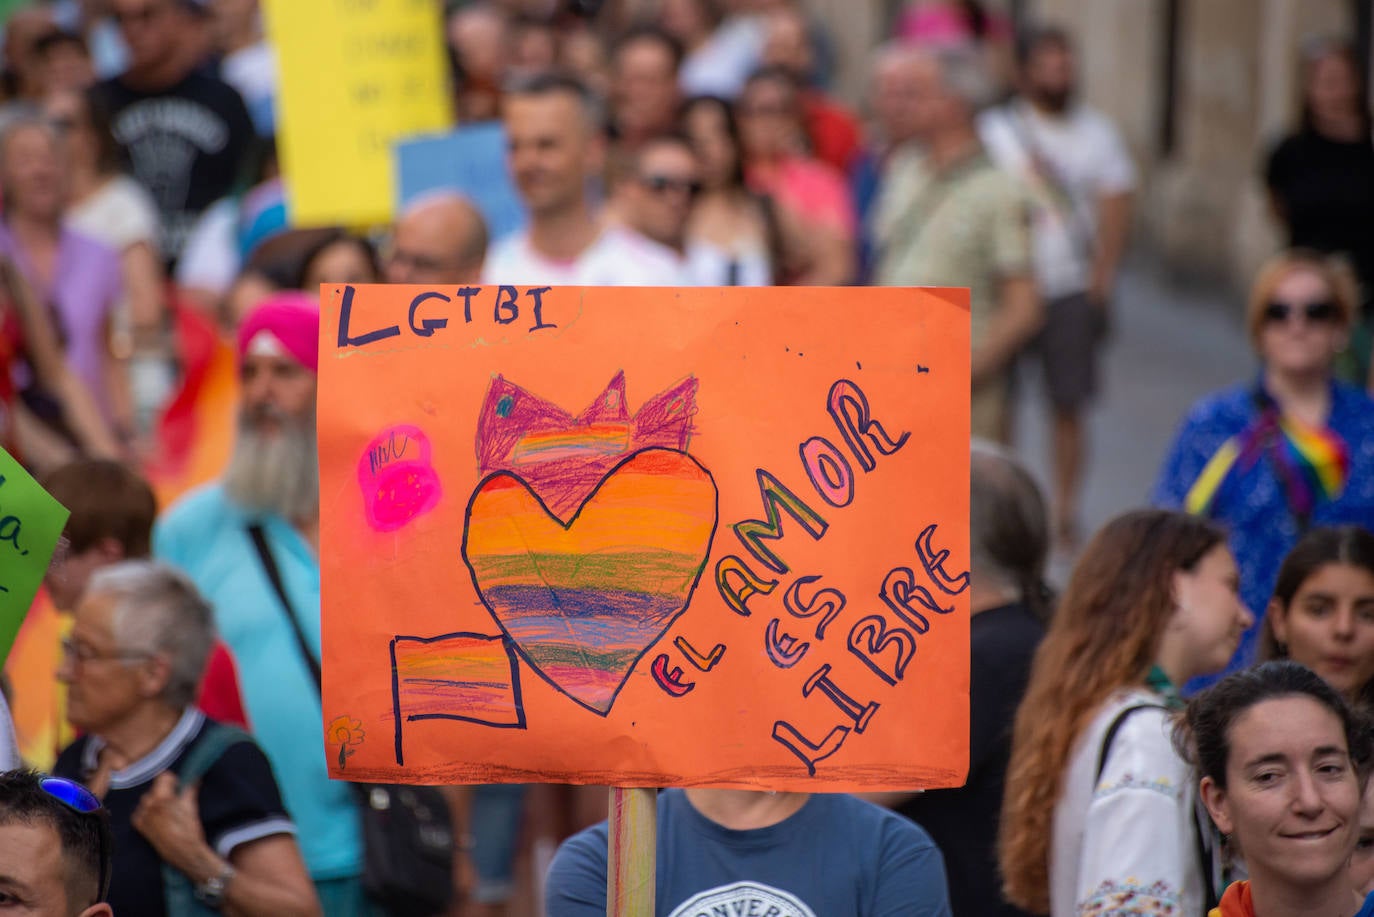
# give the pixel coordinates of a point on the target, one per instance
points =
(1098, 812)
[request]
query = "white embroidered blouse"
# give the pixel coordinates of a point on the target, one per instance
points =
(1125, 844)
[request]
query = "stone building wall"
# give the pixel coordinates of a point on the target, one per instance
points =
(1236, 68)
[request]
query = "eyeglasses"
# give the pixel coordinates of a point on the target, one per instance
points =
(417, 263)
(661, 183)
(84, 654)
(82, 801)
(1314, 312)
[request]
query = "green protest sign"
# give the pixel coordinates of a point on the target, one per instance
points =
(31, 523)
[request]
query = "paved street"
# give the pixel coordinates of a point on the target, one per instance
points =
(1170, 345)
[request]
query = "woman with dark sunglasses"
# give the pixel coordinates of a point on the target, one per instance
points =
(1292, 448)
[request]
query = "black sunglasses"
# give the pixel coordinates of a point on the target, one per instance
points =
(660, 183)
(82, 801)
(1315, 312)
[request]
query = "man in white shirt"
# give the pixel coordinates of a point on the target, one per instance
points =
(654, 197)
(555, 149)
(1081, 180)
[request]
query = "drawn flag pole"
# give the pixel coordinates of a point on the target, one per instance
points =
(631, 857)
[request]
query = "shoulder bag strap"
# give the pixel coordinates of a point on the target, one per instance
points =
(269, 566)
(920, 210)
(1199, 840)
(1061, 196)
(1113, 729)
(215, 739)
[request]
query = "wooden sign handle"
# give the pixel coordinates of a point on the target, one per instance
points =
(631, 862)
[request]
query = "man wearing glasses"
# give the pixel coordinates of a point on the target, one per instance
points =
(54, 847)
(440, 238)
(655, 199)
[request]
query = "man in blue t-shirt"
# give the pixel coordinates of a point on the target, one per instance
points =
(767, 855)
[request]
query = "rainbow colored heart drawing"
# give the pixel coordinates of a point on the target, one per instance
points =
(583, 599)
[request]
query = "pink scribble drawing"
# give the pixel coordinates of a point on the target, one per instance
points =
(561, 457)
(397, 478)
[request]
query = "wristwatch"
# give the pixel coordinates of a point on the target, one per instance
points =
(211, 892)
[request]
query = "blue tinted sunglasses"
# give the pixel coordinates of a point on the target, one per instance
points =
(81, 800)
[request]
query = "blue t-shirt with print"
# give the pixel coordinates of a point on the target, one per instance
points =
(837, 856)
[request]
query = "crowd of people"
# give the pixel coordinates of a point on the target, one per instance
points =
(1181, 729)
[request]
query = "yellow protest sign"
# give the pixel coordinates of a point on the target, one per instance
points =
(355, 76)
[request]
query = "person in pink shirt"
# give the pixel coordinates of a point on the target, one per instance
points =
(816, 211)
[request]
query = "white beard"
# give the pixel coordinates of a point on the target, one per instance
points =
(277, 472)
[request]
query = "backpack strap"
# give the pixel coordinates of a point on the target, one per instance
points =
(1200, 845)
(1113, 729)
(214, 740)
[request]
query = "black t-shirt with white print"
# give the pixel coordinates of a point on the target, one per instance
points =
(185, 144)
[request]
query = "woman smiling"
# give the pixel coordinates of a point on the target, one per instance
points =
(1281, 759)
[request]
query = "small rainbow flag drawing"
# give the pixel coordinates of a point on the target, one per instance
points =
(460, 676)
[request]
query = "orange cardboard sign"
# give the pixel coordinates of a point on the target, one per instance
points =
(645, 537)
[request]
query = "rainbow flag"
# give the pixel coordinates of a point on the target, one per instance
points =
(195, 434)
(39, 704)
(1312, 464)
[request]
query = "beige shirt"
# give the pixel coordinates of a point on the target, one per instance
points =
(966, 226)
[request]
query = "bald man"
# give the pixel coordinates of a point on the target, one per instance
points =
(439, 238)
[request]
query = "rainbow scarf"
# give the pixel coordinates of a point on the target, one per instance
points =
(1235, 903)
(1238, 902)
(1312, 464)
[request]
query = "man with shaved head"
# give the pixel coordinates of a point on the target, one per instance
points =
(439, 238)
(554, 150)
(54, 848)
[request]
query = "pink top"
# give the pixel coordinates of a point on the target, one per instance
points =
(946, 24)
(809, 189)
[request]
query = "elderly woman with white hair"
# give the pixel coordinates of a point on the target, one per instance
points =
(198, 822)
